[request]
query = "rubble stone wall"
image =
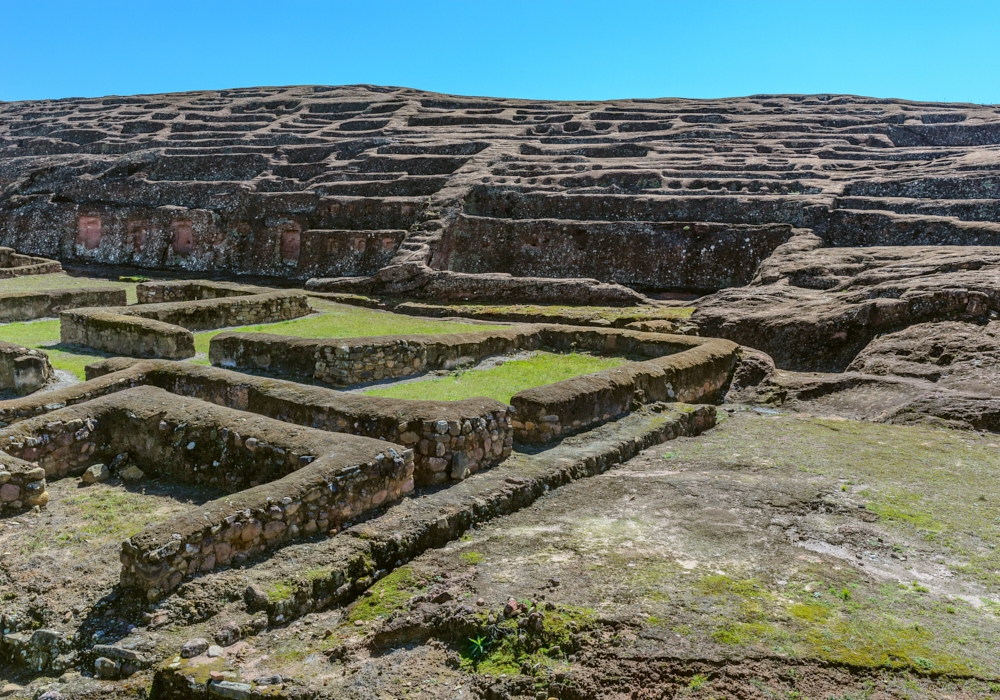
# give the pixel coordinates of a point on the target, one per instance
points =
(26, 306)
(164, 329)
(349, 361)
(22, 485)
(117, 333)
(283, 484)
(695, 375)
(23, 370)
(451, 439)
(13, 264)
(183, 290)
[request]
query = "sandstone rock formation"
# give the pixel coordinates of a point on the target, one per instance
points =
(415, 193)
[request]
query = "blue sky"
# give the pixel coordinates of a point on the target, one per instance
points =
(546, 49)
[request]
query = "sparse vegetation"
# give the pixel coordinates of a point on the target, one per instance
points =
(503, 381)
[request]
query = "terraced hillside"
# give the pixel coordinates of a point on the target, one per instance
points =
(404, 185)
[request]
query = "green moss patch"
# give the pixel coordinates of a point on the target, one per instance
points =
(504, 648)
(387, 596)
(503, 381)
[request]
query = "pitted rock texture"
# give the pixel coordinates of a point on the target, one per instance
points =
(402, 190)
(961, 356)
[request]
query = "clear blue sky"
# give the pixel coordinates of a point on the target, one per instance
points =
(545, 49)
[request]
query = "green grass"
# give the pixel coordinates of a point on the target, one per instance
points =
(44, 334)
(333, 321)
(343, 321)
(38, 283)
(501, 382)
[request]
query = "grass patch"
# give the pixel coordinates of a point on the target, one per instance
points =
(103, 514)
(344, 321)
(387, 596)
(501, 382)
(42, 335)
(471, 558)
(280, 591)
(60, 280)
(881, 643)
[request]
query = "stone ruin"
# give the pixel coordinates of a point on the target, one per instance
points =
(853, 240)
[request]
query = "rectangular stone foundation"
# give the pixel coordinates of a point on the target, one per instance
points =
(164, 330)
(682, 368)
(452, 439)
(284, 482)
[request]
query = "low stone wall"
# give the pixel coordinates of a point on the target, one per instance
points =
(23, 370)
(13, 264)
(208, 314)
(159, 292)
(451, 439)
(683, 368)
(26, 306)
(284, 484)
(116, 333)
(22, 485)
(348, 361)
(165, 330)
(693, 375)
(361, 554)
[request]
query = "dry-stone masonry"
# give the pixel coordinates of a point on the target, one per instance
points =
(26, 306)
(23, 370)
(283, 483)
(165, 329)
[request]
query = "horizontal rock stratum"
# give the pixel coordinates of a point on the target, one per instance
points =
(438, 196)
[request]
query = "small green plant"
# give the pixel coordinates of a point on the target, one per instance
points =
(697, 682)
(471, 558)
(478, 647)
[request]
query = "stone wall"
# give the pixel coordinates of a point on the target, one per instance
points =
(119, 334)
(221, 312)
(349, 361)
(184, 290)
(283, 484)
(23, 370)
(683, 368)
(26, 306)
(451, 439)
(694, 375)
(22, 485)
(164, 329)
(13, 264)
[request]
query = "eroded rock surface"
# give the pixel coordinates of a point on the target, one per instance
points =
(407, 192)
